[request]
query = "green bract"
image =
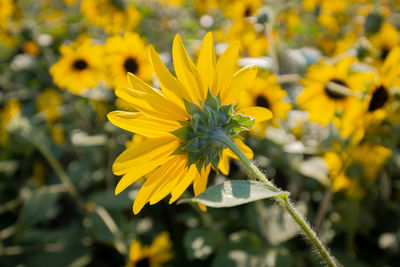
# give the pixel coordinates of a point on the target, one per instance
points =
(199, 135)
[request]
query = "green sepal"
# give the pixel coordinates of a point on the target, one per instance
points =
(182, 133)
(191, 108)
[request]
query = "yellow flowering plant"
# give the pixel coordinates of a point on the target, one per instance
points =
(189, 124)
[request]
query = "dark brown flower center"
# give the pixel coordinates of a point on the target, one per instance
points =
(247, 12)
(131, 65)
(80, 64)
(332, 93)
(144, 262)
(379, 98)
(384, 53)
(262, 101)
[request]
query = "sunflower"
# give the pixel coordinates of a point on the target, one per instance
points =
(329, 89)
(113, 16)
(183, 122)
(384, 40)
(377, 104)
(266, 92)
(241, 10)
(125, 54)
(78, 68)
(155, 255)
(372, 157)
(337, 164)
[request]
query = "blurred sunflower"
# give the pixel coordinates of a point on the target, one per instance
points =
(266, 92)
(6, 10)
(114, 16)
(372, 157)
(182, 143)
(78, 68)
(11, 109)
(49, 102)
(240, 10)
(155, 255)
(125, 54)
(384, 40)
(328, 89)
(337, 164)
(377, 105)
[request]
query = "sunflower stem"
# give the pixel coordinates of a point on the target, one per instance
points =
(284, 202)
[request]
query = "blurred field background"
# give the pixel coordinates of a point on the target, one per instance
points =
(328, 70)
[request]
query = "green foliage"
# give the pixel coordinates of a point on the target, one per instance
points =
(234, 193)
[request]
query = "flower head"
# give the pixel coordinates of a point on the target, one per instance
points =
(78, 68)
(155, 255)
(182, 120)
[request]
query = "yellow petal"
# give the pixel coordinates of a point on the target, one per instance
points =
(200, 184)
(259, 113)
(226, 66)
(140, 124)
(135, 174)
(343, 66)
(152, 183)
(244, 148)
(186, 72)
(170, 86)
(206, 63)
(241, 81)
(176, 108)
(223, 165)
(185, 181)
(144, 151)
(391, 67)
(169, 183)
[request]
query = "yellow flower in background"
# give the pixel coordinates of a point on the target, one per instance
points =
(11, 109)
(155, 255)
(114, 16)
(58, 134)
(6, 10)
(205, 6)
(49, 102)
(253, 43)
(384, 40)
(240, 10)
(377, 104)
(266, 92)
(171, 3)
(337, 164)
(125, 54)
(79, 68)
(323, 94)
(180, 143)
(372, 157)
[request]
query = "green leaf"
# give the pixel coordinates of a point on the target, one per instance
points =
(234, 193)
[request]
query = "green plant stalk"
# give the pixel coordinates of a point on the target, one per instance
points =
(283, 201)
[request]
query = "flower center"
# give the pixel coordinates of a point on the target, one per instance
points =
(335, 95)
(131, 65)
(118, 4)
(379, 98)
(247, 12)
(384, 53)
(262, 101)
(145, 262)
(80, 64)
(199, 135)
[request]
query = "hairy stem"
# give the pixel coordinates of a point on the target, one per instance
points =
(283, 201)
